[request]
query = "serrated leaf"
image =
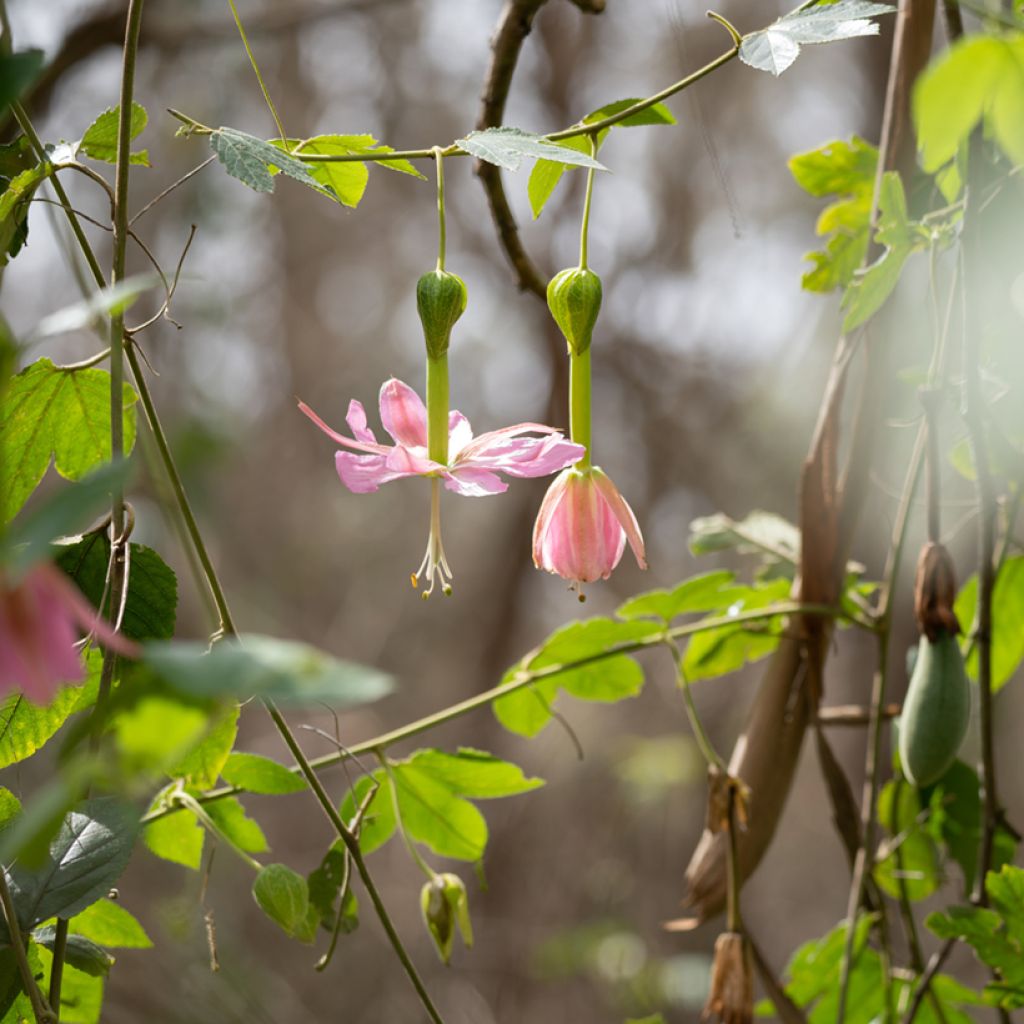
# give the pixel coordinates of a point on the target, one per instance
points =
(284, 897)
(151, 606)
(759, 531)
(433, 815)
(85, 859)
(775, 48)
(250, 160)
(1007, 621)
(836, 168)
(14, 206)
(263, 666)
(53, 412)
(235, 825)
(80, 952)
(100, 138)
(507, 147)
(109, 924)
(258, 774)
(546, 174)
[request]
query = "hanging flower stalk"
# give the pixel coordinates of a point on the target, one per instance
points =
(584, 522)
(433, 440)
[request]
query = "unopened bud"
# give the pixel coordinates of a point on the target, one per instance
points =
(441, 300)
(574, 298)
(445, 906)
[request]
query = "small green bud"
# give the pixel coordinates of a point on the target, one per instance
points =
(445, 905)
(440, 300)
(574, 298)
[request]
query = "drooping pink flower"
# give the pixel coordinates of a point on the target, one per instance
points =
(40, 620)
(582, 528)
(474, 463)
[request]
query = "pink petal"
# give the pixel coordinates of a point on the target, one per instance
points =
(623, 513)
(480, 444)
(460, 433)
(474, 483)
(67, 594)
(363, 474)
(552, 498)
(356, 420)
(412, 462)
(529, 456)
(403, 413)
(361, 446)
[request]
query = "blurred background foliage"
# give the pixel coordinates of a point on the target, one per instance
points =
(709, 364)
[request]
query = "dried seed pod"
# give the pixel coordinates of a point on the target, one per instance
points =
(935, 593)
(731, 999)
(936, 711)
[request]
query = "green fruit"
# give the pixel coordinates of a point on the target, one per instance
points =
(440, 300)
(574, 298)
(936, 711)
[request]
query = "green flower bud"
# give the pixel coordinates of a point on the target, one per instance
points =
(440, 300)
(574, 298)
(445, 905)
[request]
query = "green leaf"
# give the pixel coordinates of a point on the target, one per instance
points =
(707, 592)
(152, 602)
(612, 678)
(379, 822)
(760, 531)
(156, 732)
(100, 138)
(109, 924)
(49, 412)
(868, 292)
(837, 168)
(433, 815)
(85, 860)
(981, 77)
(250, 161)
(260, 774)
(955, 818)
(325, 881)
(474, 773)
(657, 113)
(29, 537)
(231, 820)
(17, 72)
(263, 666)
(14, 206)
(347, 180)
(775, 48)
(507, 147)
(10, 807)
(913, 865)
(177, 836)
(26, 727)
(81, 995)
(717, 652)
(201, 766)
(284, 897)
(546, 174)
(80, 952)
(996, 934)
(1007, 621)
(91, 311)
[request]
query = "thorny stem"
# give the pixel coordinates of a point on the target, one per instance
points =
(40, 1010)
(528, 678)
(259, 77)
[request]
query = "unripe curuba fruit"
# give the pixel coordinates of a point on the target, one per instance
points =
(936, 711)
(440, 300)
(574, 298)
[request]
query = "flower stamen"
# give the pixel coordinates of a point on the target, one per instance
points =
(434, 566)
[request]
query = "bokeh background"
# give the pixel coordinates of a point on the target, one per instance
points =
(709, 366)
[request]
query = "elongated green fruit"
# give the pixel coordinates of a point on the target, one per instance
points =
(936, 711)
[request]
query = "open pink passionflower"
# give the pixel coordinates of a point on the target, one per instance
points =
(473, 467)
(40, 620)
(582, 528)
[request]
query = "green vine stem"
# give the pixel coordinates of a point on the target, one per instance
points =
(579, 403)
(441, 232)
(198, 128)
(585, 225)
(527, 678)
(417, 858)
(42, 1012)
(704, 744)
(227, 626)
(259, 77)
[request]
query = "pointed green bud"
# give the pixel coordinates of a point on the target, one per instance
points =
(440, 300)
(445, 906)
(574, 298)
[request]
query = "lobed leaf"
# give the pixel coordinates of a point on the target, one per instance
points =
(100, 138)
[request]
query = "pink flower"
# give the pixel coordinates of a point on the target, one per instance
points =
(582, 528)
(474, 463)
(39, 635)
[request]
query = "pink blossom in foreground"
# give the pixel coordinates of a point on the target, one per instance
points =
(473, 467)
(582, 528)
(40, 620)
